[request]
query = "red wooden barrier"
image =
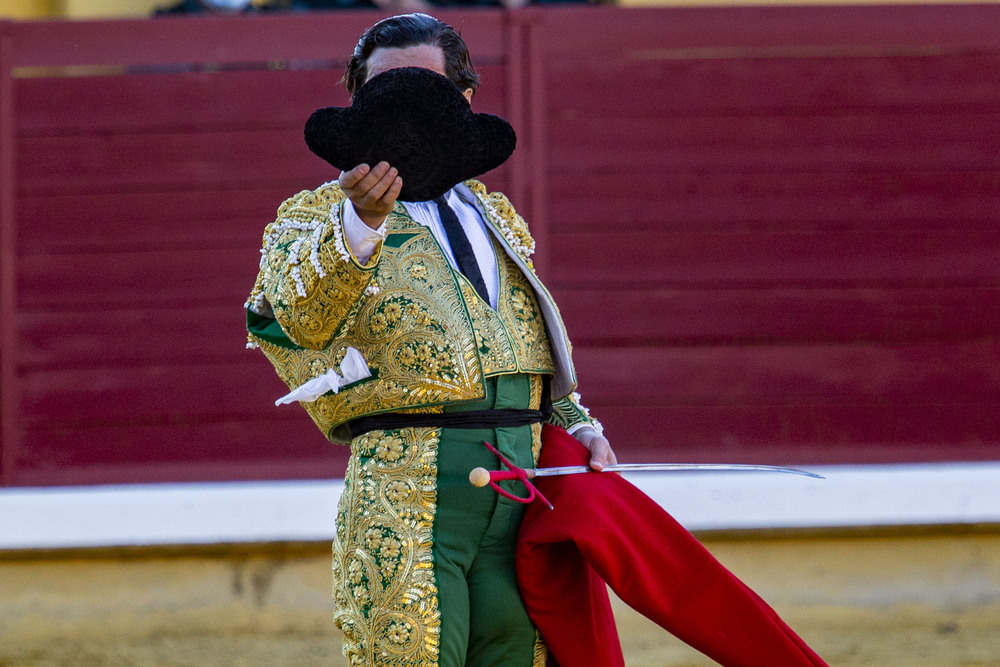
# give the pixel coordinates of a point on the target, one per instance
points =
(777, 229)
(790, 218)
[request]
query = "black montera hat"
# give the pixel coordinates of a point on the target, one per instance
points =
(420, 123)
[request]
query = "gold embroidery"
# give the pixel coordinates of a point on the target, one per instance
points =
(492, 341)
(568, 412)
(541, 652)
(506, 219)
(384, 588)
(537, 386)
(307, 274)
(521, 312)
(513, 339)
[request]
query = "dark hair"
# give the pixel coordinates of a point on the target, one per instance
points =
(411, 30)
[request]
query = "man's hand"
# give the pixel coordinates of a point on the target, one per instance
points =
(601, 454)
(372, 191)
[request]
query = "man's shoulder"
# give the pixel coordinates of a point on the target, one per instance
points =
(496, 203)
(500, 210)
(478, 187)
(481, 192)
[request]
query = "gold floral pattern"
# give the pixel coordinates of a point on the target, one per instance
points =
(307, 276)
(383, 578)
(384, 588)
(513, 339)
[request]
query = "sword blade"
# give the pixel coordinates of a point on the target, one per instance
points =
(675, 467)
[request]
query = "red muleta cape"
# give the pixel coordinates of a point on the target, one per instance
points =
(605, 530)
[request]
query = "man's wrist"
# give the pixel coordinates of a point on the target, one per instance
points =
(362, 241)
(582, 429)
(372, 220)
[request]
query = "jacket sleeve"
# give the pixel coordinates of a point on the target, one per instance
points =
(307, 276)
(570, 414)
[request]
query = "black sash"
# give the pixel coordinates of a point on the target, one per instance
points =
(507, 417)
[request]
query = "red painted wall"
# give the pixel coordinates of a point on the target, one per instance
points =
(773, 232)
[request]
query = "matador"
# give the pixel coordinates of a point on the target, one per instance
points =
(400, 306)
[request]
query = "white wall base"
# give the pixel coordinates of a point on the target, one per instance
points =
(247, 512)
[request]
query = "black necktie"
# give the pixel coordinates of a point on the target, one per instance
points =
(461, 248)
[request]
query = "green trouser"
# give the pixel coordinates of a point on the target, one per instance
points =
(483, 621)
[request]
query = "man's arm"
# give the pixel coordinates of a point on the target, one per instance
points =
(308, 280)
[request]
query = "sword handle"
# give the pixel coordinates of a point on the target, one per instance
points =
(480, 477)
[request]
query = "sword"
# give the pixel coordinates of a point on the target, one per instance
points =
(481, 476)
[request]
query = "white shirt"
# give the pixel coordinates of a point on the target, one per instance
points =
(362, 240)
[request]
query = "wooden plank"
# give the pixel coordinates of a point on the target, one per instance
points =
(172, 391)
(138, 279)
(196, 101)
(258, 469)
(868, 374)
(133, 338)
(252, 448)
(188, 273)
(822, 200)
(170, 103)
(802, 434)
(148, 221)
(149, 163)
(656, 317)
(775, 259)
(875, 374)
(282, 38)
(538, 122)
(186, 219)
(69, 339)
(766, 86)
(858, 140)
(134, 163)
(223, 439)
(795, 435)
(9, 383)
(806, 31)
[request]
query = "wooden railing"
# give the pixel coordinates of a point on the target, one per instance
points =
(773, 232)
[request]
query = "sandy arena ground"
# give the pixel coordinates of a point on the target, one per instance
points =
(919, 643)
(890, 601)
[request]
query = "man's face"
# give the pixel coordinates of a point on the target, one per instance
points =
(427, 56)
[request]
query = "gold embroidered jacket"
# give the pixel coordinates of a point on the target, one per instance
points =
(426, 338)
